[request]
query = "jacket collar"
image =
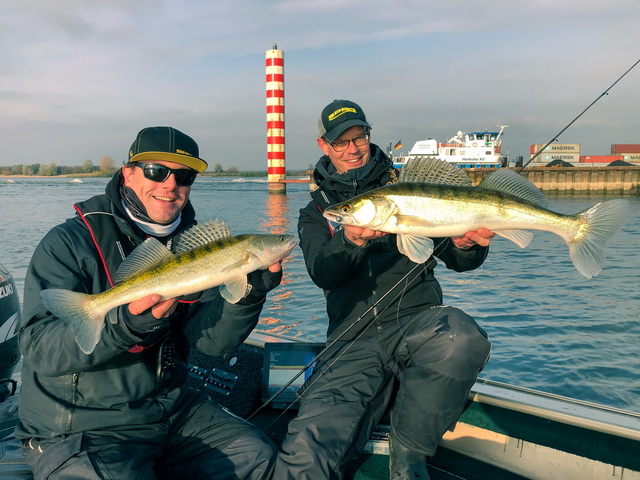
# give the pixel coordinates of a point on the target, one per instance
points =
(334, 187)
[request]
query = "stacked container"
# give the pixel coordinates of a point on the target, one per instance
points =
(630, 151)
(567, 152)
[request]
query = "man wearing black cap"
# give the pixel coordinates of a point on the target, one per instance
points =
(392, 346)
(124, 411)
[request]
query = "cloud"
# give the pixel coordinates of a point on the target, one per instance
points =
(81, 78)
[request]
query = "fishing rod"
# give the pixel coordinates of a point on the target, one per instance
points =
(327, 347)
(606, 92)
(440, 246)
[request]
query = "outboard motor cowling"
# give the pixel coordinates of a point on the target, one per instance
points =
(9, 324)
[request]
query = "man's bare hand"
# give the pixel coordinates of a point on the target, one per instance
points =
(159, 309)
(360, 236)
(481, 237)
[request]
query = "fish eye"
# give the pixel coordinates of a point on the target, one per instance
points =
(345, 208)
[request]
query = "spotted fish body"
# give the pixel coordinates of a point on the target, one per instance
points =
(208, 256)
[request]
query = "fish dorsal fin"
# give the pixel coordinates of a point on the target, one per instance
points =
(202, 234)
(508, 181)
(148, 254)
(434, 171)
(233, 290)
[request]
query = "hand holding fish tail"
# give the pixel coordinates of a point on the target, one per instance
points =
(481, 237)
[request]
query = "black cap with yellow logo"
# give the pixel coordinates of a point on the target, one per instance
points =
(166, 144)
(338, 116)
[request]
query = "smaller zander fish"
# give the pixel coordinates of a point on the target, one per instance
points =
(207, 256)
(436, 199)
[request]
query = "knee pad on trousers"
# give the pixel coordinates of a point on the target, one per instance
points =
(451, 343)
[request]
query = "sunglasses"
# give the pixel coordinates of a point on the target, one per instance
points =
(159, 173)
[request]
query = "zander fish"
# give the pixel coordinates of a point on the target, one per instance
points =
(207, 256)
(432, 200)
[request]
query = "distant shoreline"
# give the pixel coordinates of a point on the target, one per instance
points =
(292, 173)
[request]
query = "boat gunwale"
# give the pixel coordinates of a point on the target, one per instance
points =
(571, 411)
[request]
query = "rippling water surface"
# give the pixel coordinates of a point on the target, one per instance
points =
(551, 328)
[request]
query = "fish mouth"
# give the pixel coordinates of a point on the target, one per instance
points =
(281, 253)
(292, 245)
(334, 217)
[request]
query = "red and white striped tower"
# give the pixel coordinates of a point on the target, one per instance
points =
(276, 169)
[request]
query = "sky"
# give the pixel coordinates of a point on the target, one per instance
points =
(79, 79)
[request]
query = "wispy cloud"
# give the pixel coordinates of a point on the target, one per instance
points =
(78, 79)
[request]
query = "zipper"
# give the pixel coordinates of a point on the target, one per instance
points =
(74, 391)
(356, 187)
(374, 295)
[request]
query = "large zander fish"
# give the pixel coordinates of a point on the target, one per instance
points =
(436, 199)
(207, 256)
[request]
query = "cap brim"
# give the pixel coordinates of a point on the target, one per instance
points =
(195, 163)
(335, 132)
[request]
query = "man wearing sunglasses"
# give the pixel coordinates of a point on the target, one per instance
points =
(125, 411)
(390, 342)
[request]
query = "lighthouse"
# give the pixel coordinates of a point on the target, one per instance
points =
(276, 168)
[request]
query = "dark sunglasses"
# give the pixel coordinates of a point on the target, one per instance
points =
(159, 173)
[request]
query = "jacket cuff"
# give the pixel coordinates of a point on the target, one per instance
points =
(116, 319)
(252, 298)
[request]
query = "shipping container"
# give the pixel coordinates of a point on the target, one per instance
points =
(600, 158)
(556, 148)
(619, 148)
(632, 157)
(550, 157)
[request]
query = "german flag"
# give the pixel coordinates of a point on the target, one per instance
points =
(398, 145)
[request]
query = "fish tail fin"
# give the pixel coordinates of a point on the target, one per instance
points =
(85, 322)
(598, 224)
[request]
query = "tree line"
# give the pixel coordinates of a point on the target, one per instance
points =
(105, 167)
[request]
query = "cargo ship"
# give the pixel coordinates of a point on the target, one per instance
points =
(465, 149)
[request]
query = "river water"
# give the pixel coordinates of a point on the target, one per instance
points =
(551, 328)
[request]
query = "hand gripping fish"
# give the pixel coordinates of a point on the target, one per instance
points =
(207, 256)
(436, 199)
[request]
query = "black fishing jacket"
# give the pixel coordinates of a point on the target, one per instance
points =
(354, 278)
(128, 379)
